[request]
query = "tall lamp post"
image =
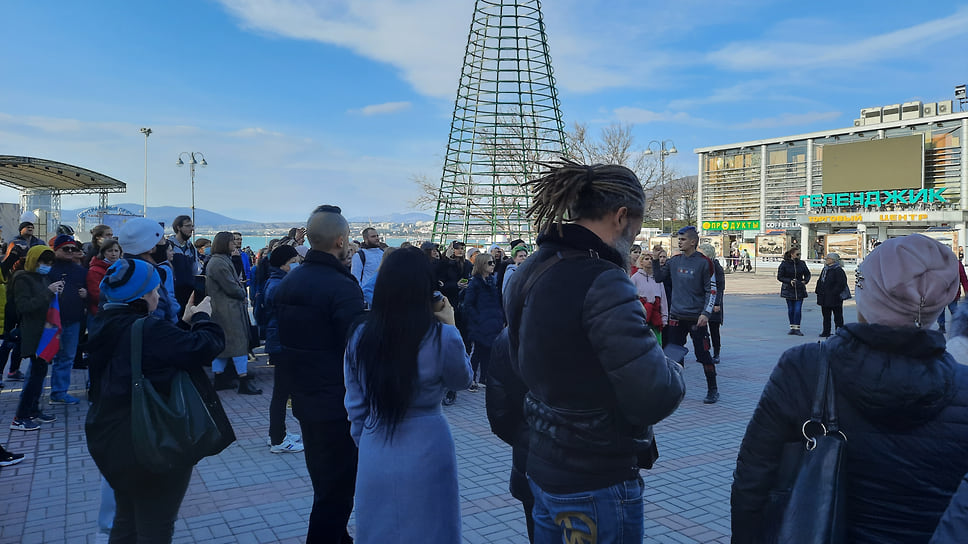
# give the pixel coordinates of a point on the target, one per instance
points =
(663, 152)
(147, 132)
(193, 159)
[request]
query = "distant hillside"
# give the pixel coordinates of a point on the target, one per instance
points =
(203, 218)
(412, 217)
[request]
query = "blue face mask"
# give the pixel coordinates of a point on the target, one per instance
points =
(43, 269)
(293, 266)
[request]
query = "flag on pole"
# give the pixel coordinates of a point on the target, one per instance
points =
(50, 338)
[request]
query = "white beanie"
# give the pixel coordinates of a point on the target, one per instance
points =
(28, 217)
(140, 235)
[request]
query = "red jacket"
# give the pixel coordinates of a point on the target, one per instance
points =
(95, 273)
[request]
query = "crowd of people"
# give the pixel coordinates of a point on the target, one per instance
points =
(371, 343)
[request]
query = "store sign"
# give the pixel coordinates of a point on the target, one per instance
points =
(730, 225)
(782, 224)
(874, 198)
(879, 217)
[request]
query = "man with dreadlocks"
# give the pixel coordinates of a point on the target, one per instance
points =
(596, 377)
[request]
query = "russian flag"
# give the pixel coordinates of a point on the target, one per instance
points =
(50, 339)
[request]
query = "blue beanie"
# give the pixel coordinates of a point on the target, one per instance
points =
(128, 280)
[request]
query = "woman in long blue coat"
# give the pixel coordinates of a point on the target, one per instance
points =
(398, 366)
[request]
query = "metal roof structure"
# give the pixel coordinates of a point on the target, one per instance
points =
(31, 174)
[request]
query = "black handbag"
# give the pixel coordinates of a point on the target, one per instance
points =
(171, 433)
(815, 512)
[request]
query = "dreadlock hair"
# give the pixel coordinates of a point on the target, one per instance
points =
(569, 191)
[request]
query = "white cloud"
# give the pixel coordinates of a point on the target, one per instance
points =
(380, 109)
(425, 39)
(767, 55)
(791, 119)
(640, 116)
(272, 175)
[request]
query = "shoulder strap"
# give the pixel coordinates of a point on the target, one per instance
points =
(824, 400)
(137, 337)
(539, 271)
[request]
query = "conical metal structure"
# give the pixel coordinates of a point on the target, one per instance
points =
(506, 119)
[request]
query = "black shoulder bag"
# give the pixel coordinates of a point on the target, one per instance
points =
(171, 433)
(816, 510)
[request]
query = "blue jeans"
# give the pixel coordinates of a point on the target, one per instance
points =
(613, 515)
(951, 308)
(793, 310)
(241, 364)
(60, 367)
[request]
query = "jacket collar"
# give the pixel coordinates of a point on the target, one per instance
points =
(579, 237)
(314, 256)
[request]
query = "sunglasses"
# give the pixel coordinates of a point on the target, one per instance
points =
(71, 249)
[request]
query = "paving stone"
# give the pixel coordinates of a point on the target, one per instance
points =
(249, 495)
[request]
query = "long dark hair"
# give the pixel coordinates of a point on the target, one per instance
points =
(399, 320)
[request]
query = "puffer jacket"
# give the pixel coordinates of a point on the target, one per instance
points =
(316, 307)
(788, 271)
(831, 284)
(276, 275)
(482, 310)
(902, 402)
(954, 523)
(597, 379)
(504, 399)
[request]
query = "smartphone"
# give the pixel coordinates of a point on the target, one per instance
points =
(199, 288)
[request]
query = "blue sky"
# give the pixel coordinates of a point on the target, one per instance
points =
(301, 102)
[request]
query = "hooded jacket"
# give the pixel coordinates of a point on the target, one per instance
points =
(902, 402)
(31, 297)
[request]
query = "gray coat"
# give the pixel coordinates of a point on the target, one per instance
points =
(228, 305)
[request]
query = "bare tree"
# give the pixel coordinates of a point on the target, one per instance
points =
(515, 164)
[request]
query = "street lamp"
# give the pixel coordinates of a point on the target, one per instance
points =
(193, 157)
(663, 152)
(147, 132)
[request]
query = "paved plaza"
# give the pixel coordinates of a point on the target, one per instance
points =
(249, 495)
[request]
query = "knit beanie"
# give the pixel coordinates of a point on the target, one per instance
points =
(28, 217)
(24, 225)
(834, 257)
(281, 255)
(906, 282)
(140, 235)
(516, 249)
(129, 279)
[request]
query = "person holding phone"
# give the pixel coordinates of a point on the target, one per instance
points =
(73, 308)
(398, 366)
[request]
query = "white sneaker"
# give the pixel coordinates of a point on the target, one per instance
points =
(287, 446)
(292, 437)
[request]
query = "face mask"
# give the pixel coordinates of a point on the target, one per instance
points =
(293, 266)
(43, 269)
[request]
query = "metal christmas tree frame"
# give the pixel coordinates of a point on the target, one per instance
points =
(506, 119)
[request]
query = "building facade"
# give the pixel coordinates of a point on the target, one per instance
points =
(898, 171)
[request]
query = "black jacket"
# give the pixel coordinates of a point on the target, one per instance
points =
(505, 394)
(832, 282)
(166, 348)
(596, 377)
(902, 401)
(449, 272)
(316, 306)
(790, 270)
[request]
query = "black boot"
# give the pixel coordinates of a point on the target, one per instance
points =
(712, 394)
(223, 382)
(450, 398)
(246, 387)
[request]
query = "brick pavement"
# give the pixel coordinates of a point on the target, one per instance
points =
(249, 495)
